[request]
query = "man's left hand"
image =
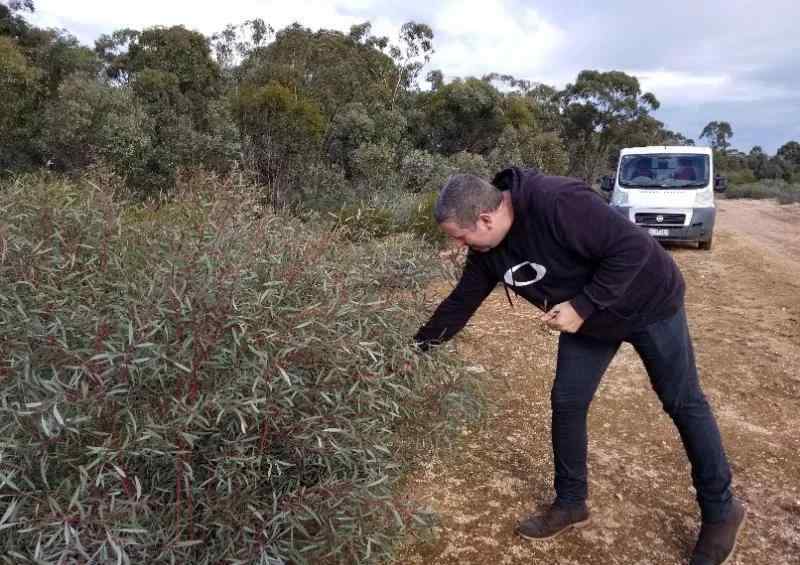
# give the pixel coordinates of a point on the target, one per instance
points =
(562, 317)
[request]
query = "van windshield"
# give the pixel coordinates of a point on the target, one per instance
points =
(664, 170)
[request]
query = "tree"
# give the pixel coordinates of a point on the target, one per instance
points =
(546, 105)
(519, 111)
(283, 129)
(173, 76)
(34, 63)
(669, 137)
(19, 119)
(520, 85)
(75, 121)
(464, 115)
(11, 23)
(790, 152)
(525, 148)
(350, 129)
(21, 5)
(598, 110)
(436, 78)
(357, 125)
(328, 67)
(717, 134)
(235, 43)
(173, 65)
(416, 49)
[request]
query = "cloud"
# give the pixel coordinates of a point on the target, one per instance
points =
(698, 88)
(477, 37)
(98, 16)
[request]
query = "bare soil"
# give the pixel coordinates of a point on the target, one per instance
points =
(743, 302)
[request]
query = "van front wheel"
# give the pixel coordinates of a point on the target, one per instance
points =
(706, 245)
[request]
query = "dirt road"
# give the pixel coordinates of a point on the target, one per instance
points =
(743, 301)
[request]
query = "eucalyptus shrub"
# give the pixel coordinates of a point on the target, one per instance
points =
(424, 172)
(470, 163)
(203, 381)
(783, 192)
(375, 165)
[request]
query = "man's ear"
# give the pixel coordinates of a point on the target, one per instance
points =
(487, 219)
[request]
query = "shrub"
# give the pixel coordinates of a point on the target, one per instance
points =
(204, 382)
(349, 129)
(470, 163)
(424, 172)
(422, 223)
(364, 222)
(743, 176)
(526, 148)
(375, 167)
(784, 192)
(546, 152)
(324, 187)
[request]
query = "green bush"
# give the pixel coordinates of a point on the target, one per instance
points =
(464, 162)
(527, 148)
(743, 176)
(323, 187)
(789, 198)
(389, 213)
(424, 172)
(19, 120)
(375, 167)
(205, 381)
(784, 192)
(422, 223)
(364, 222)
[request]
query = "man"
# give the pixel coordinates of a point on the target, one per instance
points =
(685, 170)
(643, 168)
(554, 241)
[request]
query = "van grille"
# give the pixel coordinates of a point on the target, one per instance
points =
(649, 219)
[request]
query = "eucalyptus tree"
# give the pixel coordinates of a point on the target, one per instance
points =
(34, 62)
(597, 112)
(790, 153)
(178, 84)
(463, 115)
(718, 134)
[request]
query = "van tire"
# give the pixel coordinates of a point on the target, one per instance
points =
(705, 245)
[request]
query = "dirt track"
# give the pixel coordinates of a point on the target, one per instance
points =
(743, 301)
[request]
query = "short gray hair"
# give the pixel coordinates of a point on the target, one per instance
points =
(463, 198)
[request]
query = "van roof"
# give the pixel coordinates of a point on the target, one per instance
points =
(687, 149)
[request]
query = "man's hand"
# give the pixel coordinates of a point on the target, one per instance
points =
(562, 317)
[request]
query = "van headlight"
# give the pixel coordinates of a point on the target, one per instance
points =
(704, 199)
(619, 197)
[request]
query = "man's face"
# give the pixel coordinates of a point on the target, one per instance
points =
(481, 237)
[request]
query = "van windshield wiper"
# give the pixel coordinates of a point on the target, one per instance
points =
(670, 185)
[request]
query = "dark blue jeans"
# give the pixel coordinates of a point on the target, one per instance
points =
(666, 350)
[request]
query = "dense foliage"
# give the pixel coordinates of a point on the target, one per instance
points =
(171, 391)
(284, 105)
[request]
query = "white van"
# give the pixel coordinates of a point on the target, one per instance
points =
(669, 191)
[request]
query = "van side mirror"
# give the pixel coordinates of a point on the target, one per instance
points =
(607, 183)
(720, 184)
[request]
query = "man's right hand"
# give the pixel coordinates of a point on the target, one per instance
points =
(562, 317)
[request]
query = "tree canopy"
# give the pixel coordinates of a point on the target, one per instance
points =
(281, 103)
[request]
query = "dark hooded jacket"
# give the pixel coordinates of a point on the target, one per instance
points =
(566, 244)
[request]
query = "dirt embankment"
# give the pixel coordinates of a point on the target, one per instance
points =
(743, 302)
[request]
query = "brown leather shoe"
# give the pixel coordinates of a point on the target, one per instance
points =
(552, 522)
(717, 541)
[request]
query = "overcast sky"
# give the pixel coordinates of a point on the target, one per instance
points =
(731, 60)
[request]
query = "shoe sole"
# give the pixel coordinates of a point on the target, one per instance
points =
(575, 525)
(736, 537)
